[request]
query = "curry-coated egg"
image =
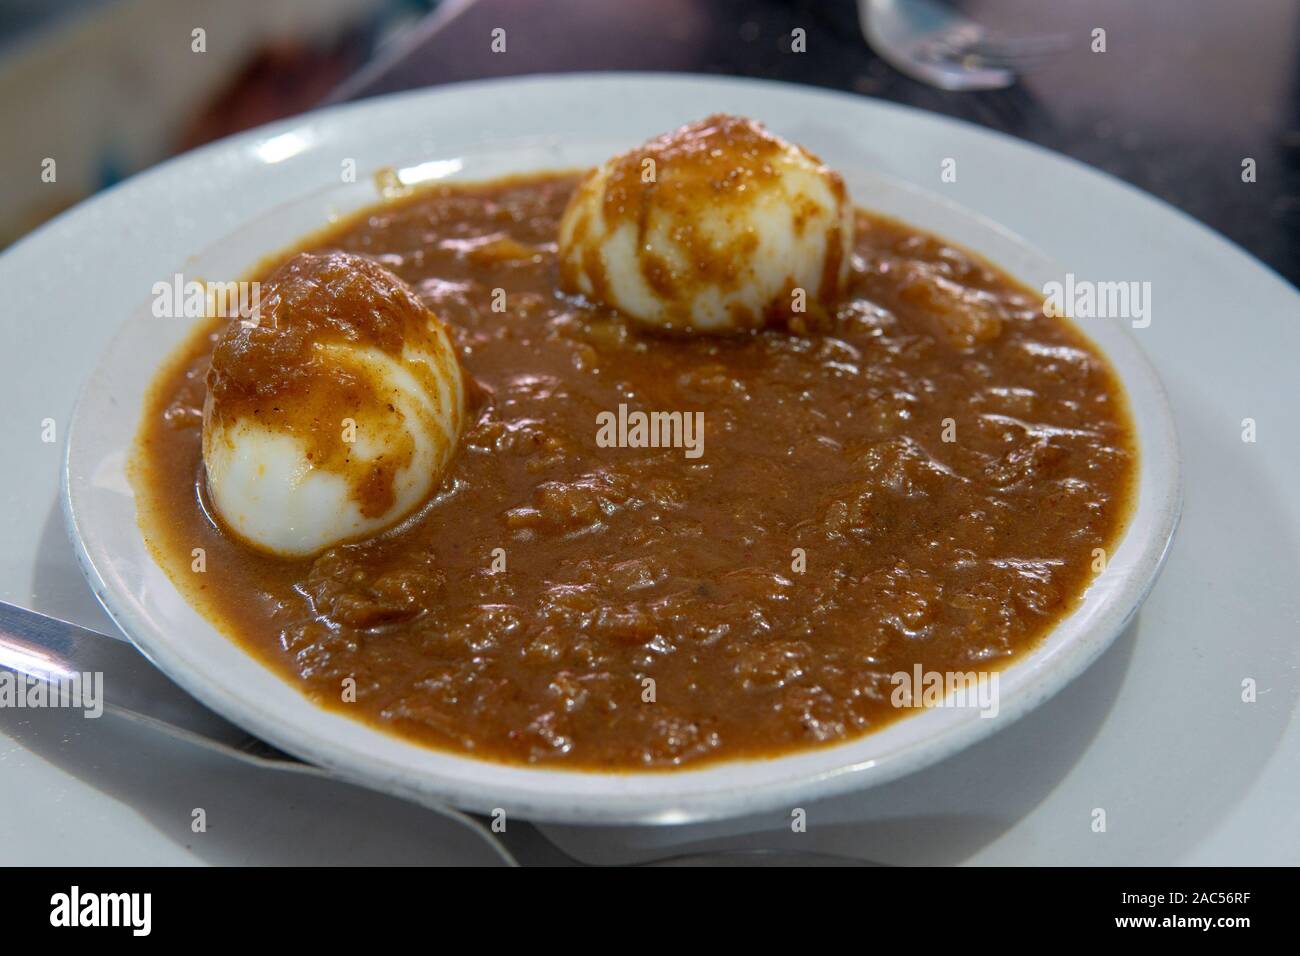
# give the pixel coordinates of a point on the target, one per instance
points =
(334, 412)
(719, 226)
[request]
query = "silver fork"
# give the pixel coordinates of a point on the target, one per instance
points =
(45, 648)
(934, 44)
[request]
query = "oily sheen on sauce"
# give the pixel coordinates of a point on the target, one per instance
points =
(946, 459)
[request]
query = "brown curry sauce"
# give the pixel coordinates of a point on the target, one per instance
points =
(624, 565)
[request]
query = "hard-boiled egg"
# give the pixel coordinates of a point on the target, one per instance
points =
(333, 412)
(719, 226)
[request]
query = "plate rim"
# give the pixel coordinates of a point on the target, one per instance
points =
(275, 127)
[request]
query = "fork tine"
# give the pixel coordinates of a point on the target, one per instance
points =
(1020, 64)
(996, 45)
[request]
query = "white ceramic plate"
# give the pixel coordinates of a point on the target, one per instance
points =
(281, 182)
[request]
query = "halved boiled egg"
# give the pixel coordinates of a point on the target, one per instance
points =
(333, 413)
(719, 226)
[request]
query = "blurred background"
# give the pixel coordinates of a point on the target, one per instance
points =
(1184, 93)
(109, 87)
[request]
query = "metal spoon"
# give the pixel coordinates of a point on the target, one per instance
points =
(45, 648)
(935, 45)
